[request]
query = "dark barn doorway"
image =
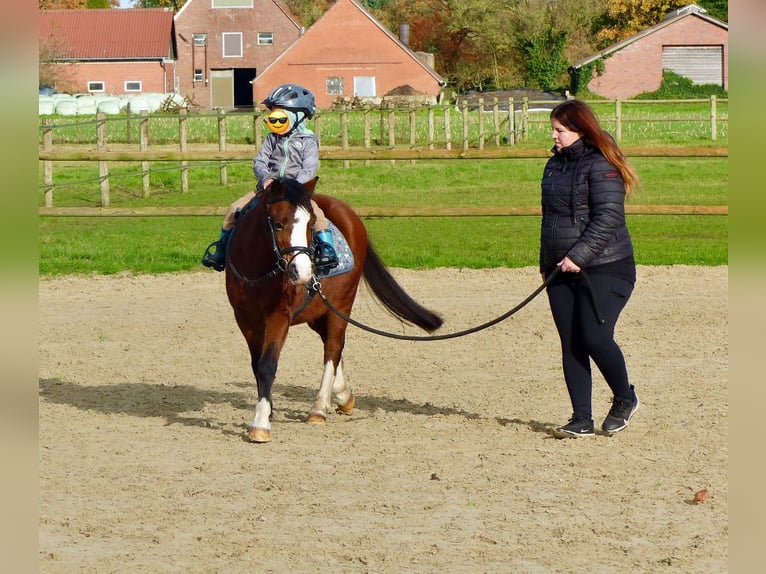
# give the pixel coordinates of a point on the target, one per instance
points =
(243, 89)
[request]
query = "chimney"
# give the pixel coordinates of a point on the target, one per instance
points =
(404, 34)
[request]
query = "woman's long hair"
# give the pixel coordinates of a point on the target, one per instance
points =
(577, 116)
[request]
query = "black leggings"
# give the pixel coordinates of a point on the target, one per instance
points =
(583, 337)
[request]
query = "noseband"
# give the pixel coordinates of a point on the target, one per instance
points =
(281, 254)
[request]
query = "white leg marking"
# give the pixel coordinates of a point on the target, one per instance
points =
(322, 402)
(340, 390)
(262, 413)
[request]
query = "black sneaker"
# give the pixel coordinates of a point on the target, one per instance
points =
(575, 428)
(620, 413)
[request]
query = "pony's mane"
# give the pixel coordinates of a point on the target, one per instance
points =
(291, 190)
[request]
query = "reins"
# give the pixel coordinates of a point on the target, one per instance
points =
(316, 288)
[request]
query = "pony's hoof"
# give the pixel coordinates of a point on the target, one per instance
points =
(347, 408)
(316, 418)
(259, 435)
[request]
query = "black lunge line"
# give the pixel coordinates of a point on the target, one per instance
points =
(316, 287)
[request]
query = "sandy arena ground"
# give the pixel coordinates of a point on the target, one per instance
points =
(446, 464)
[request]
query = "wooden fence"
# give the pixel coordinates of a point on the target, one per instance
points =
(492, 133)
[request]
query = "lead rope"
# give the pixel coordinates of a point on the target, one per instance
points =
(316, 288)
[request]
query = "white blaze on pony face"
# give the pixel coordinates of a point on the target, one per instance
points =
(301, 263)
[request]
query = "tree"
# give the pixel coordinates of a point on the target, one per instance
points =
(624, 18)
(544, 60)
(718, 9)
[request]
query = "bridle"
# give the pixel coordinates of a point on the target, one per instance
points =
(281, 255)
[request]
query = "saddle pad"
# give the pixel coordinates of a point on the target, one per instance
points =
(345, 256)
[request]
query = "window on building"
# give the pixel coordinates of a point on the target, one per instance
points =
(200, 39)
(96, 86)
(265, 38)
(364, 86)
(198, 75)
(232, 3)
(232, 44)
(335, 85)
(133, 86)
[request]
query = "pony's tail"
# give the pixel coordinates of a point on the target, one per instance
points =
(391, 294)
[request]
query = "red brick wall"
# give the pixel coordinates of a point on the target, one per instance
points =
(345, 43)
(197, 17)
(637, 68)
(153, 76)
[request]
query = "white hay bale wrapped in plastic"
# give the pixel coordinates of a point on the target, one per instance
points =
(137, 104)
(46, 106)
(66, 107)
(109, 106)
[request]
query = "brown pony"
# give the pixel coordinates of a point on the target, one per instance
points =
(269, 279)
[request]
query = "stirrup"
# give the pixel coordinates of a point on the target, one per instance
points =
(325, 257)
(215, 258)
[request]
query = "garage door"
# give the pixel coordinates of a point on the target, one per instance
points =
(222, 88)
(701, 64)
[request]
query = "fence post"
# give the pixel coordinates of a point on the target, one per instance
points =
(182, 144)
(48, 164)
(413, 132)
(391, 127)
(496, 121)
(103, 166)
(143, 129)
(344, 131)
(524, 118)
(256, 129)
(618, 120)
(481, 124)
(367, 130)
(511, 122)
(465, 125)
(430, 127)
(382, 124)
(224, 175)
(447, 126)
(713, 118)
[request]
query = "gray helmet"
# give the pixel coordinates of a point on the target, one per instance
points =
(291, 97)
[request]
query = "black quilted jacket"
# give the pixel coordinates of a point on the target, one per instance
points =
(583, 201)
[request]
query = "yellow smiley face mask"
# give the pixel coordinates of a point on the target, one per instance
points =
(278, 122)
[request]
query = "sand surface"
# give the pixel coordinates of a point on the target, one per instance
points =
(446, 464)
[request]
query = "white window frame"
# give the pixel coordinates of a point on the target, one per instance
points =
(140, 86)
(92, 86)
(231, 36)
(199, 77)
(224, 4)
(199, 39)
(265, 38)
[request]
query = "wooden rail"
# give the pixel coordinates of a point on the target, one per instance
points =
(426, 211)
(71, 153)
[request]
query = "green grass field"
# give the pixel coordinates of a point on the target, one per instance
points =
(106, 245)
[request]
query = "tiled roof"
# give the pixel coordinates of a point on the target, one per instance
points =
(108, 34)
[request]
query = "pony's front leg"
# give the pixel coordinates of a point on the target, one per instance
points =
(265, 370)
